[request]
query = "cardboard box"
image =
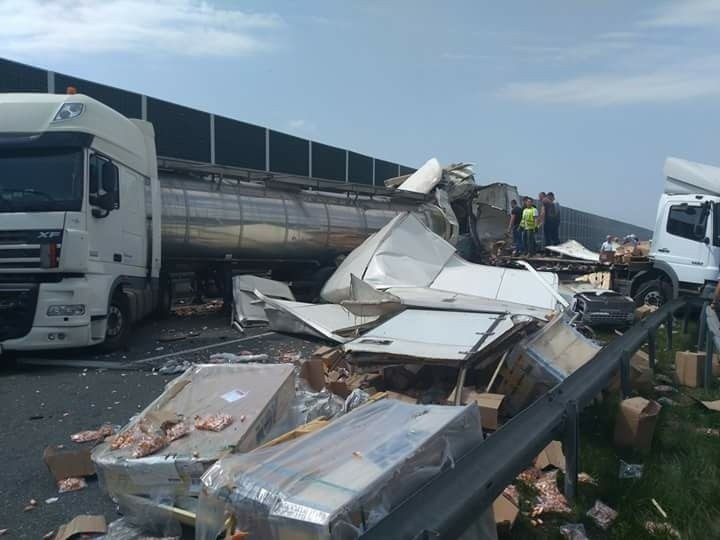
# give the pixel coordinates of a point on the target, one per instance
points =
(641, 376)
(82, 525)
(643, 311)
(489, 405)
(66, 463)
(313, 371)
(551, 456)
(255, 395)
(690, 368)
(636, 422)
(505, 510)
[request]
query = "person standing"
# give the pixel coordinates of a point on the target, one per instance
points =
(514, 227)
(551, 221)
(528, 224)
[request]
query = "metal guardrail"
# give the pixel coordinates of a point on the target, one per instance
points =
(708, 340)
(452, 501)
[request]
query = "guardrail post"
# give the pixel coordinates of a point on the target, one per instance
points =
(571, 449)
(709, 349)
(702, 326)
(624, 374)
(652, 350)
(669, 328)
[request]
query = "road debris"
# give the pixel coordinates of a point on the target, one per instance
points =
(52, 500)
(82, 525)
(602, 515)
(635, 423)
(630, 470)
(215, 422)
(662, 529)
(32, 505)
(585, 478)
(71, 484)
(229, 358)
(573, 531)
(659, 508)
(549, 499)
(93, 435)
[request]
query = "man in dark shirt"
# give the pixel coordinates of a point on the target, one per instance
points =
(514, 227)
(551, 220)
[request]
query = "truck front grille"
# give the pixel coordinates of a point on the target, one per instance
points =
(21, 249)
(17, 309)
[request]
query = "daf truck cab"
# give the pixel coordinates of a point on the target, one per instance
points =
(685, 253)
(75, 254)
(97, 231)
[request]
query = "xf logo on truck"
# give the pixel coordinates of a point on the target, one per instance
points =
(49, 235)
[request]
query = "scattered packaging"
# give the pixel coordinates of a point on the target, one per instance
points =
(82, 525)
(573, 531)
(630, 470)
(662, 529)
(66, 463)
(641, 375)
(95, 435)
(712, 405)
(602, 515)
(340, 480)
(489, 405)
(549, 499)
(71, 484)
(689, 367)
(664, 389)
(635, 424)
(213, 422)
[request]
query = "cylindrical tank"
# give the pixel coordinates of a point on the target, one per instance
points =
(207, 220)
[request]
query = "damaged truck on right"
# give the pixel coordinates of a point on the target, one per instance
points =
(685, 253)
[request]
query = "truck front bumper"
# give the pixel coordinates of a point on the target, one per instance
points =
(55, 332)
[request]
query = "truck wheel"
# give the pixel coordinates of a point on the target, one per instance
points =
(164, 306)
(118, 324)
(652, 293)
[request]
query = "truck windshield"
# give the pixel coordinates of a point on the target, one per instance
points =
(41, 179)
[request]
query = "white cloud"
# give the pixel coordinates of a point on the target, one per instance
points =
(184, 27)
(301, 125)
(700, 78)
(686, 13)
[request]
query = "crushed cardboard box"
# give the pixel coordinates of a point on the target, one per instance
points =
(551, 456)
(65, 463)
(313, 371)
(505, 510)
(641, 375)
(82, 525)
(635, 424)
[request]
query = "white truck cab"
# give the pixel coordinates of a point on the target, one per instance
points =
(685, 250)
(79, 249)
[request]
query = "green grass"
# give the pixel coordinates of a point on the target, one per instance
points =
(681, 472)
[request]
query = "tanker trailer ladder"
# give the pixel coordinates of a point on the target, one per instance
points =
(447, 505)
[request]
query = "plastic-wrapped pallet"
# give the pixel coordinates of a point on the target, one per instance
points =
(243, 401)
(340, 480)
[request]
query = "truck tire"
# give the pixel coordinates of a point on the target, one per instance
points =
(165, 302)
(653, 293)
(118, 323)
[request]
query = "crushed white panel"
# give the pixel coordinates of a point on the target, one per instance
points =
(425, 178)
(575, 250)
(249, 309)
(503, 284)
(368, 301)
(422, 297)
(321, 320)
(440, 335)
(689, 177)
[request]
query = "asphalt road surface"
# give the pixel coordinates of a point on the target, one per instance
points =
(46, 398)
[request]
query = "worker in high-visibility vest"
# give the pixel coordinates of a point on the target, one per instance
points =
(529, 224)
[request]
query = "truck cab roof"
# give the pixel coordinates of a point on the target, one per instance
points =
(114, 134)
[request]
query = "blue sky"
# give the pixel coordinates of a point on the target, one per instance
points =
(585, 99)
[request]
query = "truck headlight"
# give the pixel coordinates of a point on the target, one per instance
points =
(66, 310)
(68, 111)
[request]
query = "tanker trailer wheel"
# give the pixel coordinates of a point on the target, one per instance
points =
(118, 323)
